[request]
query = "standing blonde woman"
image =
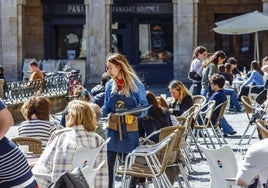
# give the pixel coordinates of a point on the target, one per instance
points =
(181, 98)
(123, 92)
(80, 132)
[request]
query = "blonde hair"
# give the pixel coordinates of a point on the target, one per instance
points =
(127, 72)
(81, 113)
(81, 93)
(179, 86)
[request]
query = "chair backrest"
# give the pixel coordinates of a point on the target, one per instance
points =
(35, 145)
(164, 132)
(262, 128)
(86, 157)
(199, 99)
(247, 105)
(222, 108)
(90, 174)
(206, 112)
(222, 164)
(167, 153)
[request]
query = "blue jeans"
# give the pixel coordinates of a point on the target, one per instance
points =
(195, 88)
(225, 126)
(233, 99)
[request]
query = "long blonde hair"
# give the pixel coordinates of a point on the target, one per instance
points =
(81, 113)
(127, 72)
(179, 86)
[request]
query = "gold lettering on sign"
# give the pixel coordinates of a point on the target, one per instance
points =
(76, 9)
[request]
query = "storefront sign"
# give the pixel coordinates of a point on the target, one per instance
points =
(143, 8)
(69, 9)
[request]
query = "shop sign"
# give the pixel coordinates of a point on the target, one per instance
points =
(143, 8)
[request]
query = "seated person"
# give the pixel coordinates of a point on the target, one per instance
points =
(156, 118)
(181, 98)
(217, 82)
(15, 171)
(234, 105)
(57, 156)
(99, 128)
(80, 93)
(255, 78)
(36, 111)
(163, 103)
(254, 166)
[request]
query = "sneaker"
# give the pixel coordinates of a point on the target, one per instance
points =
(231, 133)
(241, 110)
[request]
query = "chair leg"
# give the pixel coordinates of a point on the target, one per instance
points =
(255, 128)
(195, 142)
(244, 134)
(184, 176)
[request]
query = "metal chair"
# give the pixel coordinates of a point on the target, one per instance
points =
(199, 99)
(35, 145)
(263, 131)
(203, 122)
(216, 126)
(249, 108)
(154, 167)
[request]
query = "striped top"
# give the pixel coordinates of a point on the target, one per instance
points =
(14, 169)
(39, 129)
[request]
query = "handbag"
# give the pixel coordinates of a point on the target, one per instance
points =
(261, 97)
(192, 75)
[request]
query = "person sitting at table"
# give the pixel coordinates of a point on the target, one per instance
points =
(36, 111)
(255, 78)
(217, 83)
(181, 98)
(163, 103)
(234, 105)
(254, 167)
(14, 169)
(264, 68)
(156, 118)
(80, 93)
(233, 70)
(57, 156)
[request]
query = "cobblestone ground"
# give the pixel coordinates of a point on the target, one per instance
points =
(200, 176)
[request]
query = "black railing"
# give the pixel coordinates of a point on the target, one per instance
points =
(56, 84)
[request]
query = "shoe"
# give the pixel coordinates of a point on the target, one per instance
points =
(231, 133)
(241, 110)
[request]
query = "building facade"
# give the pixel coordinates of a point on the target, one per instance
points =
(157, 36)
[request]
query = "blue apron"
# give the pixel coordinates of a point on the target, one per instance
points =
(130, 140)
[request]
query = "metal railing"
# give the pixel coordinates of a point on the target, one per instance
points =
(56, 84)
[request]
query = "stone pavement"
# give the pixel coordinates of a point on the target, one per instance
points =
(200, 177)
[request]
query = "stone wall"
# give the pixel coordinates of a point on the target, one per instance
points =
(58, 104)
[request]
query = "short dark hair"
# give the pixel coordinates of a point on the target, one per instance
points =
(34, 63)
(105, 77)
(232, 61)
(217, 79)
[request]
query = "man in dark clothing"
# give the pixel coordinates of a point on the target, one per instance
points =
(98, 91)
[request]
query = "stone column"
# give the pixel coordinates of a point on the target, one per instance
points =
(10, 38)
(265, 34)
(183, 37)
(98, 31)
(20, 17)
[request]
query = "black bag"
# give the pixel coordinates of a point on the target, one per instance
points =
(192, 75)
(261, 97)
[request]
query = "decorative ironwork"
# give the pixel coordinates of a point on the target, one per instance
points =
(55, 84)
